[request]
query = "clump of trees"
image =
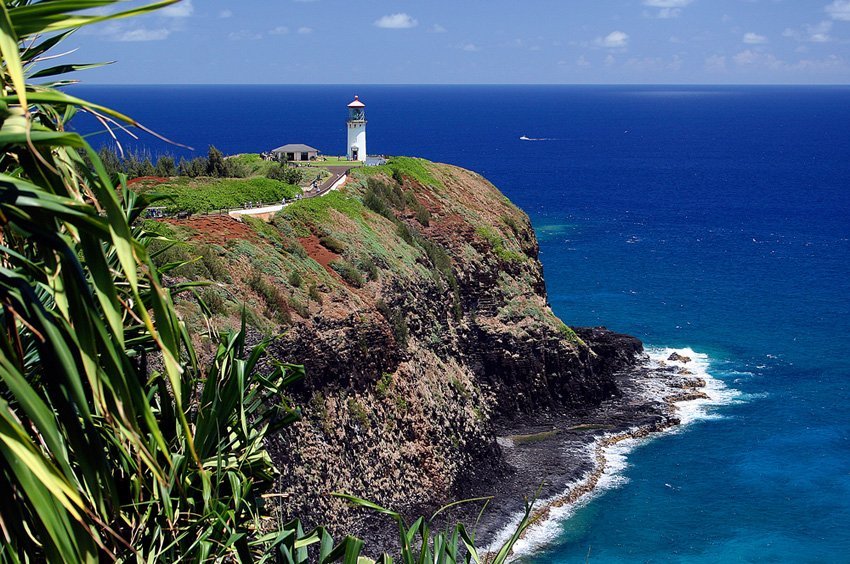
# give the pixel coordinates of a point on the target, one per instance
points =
(136, 164)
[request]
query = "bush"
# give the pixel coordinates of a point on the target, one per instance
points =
(294, 279)
(348, 272)
(423, 216)
(277, 304)
(368, 266)
(314, 294)
(284, 173)
(332, 244)
(300, 308)
(214, 300)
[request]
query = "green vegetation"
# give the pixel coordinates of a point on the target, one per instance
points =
(382, 386)
(498, 245)
(284, 173)
(117, 442)
(276, 302)
(332, 161)
(400, 167)
(210, 194)
(332, 244)
(348, 272)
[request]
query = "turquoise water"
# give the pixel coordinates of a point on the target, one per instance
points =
(711, 218)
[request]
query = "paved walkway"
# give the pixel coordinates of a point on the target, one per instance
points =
(337, 173)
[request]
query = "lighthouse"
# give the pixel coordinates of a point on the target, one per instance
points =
(356, 130)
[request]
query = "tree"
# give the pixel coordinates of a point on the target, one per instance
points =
(215, 163)
(165, 166)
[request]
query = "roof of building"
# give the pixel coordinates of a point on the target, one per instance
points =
(295, 148)
(357, 103)
(375, 161)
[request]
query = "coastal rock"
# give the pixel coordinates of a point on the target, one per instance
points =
(676, 357)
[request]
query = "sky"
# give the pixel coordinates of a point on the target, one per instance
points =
(475, 42)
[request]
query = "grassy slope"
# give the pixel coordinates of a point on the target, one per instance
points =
(367, 243)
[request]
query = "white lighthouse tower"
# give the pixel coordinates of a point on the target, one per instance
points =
(356, 130)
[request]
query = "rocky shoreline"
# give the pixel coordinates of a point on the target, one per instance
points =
(561, 458)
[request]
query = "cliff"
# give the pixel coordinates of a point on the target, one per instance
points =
(415, 299)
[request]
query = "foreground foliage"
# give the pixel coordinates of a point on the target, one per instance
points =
(115, 441)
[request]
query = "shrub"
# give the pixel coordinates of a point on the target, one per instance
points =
(299, 307)
(368, 266)
(348, 272)
(314, 294)
(294, 279)
(277, 304)
(358, 411)
(382, 386)
(213, 299)
(423, 216)
(332, 244)
(287, 174)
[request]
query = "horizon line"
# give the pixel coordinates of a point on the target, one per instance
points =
(361, 84)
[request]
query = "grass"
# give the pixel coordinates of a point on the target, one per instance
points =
(497, 243)
(201, 195)
(404, 167)
(333, 161)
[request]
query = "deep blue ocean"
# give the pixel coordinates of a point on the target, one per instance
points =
(715, 218)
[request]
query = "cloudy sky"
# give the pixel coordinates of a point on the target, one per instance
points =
(477, 41)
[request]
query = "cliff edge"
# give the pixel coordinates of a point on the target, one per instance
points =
(416, 301)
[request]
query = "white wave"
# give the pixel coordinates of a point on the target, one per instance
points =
(616, 455)
(718, 392)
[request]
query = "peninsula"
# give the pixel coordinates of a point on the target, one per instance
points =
(413, 295)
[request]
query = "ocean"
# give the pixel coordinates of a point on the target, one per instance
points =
(710, 218)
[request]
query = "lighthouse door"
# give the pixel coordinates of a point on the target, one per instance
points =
(354, 152)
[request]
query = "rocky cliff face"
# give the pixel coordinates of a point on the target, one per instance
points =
(415, 299)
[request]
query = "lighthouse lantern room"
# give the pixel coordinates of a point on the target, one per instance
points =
(356, 130)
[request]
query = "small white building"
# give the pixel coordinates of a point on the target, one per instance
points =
(356, 150)
(295, 152)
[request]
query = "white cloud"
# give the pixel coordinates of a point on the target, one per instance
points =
(244, 35)
(182, 9)
(610, 60)
(437, 28)
(669, 13)
(614, 40)
(279, 30)
(754, 58)
(751, 38)
(667, 3)
(667, 9)
(583, 62)
(839, 10)
(143, 34)
(396, 21)
(224, 14)
(305, 30)
(470, 47)
(817, 33)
